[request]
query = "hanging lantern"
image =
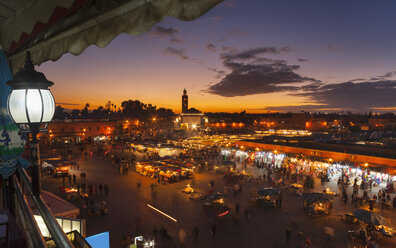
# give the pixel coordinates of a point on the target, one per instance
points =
(30, 101)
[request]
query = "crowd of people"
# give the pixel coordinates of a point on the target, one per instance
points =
(269, 167)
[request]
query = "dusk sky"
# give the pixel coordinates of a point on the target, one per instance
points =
(253, 55)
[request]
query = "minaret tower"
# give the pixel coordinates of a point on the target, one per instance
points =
(184, 101)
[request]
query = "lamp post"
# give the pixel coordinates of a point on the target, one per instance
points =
(30, 105)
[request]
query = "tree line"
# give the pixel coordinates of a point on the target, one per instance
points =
(129, 109)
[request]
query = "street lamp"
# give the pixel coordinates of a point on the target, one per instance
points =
(30, 105)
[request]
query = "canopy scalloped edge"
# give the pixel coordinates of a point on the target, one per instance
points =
(133, 17)
(26, 18)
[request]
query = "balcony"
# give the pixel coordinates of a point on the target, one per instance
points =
(19, 227)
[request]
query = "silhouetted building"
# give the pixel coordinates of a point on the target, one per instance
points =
(184, 102)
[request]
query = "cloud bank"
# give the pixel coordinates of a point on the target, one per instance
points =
(252, 74)
(181, 53)
(164, 32)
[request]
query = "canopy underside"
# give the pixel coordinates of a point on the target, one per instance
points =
(50, 28)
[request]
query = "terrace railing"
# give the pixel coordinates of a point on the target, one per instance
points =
(75, 237)
(17, 187)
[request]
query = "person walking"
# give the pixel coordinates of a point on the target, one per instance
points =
(193, 180)
(236, 189)
(356, 188)
(138, 186)
(137, 223)
(128, 240)
(246, 214)
(155, 232)
(307, 243)
(288, 234)
(152, 186)
(74, 178)
(106, 189)
(345, 197)
(329, 233)
(236, 223)
(195, 232)
(237, 207)
(279, 202)
(182, 236)
(213, 229)
(91, 202)
(371, 205)
(300, 238)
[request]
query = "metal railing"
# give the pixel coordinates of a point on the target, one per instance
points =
(75, 237)
(26, 218)
(4, 240)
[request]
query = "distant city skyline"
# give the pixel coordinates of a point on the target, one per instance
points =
(245, 55)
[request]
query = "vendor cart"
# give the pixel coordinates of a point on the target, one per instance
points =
(269, 198)
(317, 203)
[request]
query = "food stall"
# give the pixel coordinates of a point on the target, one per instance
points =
(60, 167)
(61, 171)
(372, 225)
(188, 189)
(196, 196)
(169, 175)
(269, 198)
(216, 198)
(71, 193)
(296, 188)
(140, 168)
(317, 203)
(147, 169)
(186, 173)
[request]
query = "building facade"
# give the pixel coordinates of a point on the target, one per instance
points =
(77, 131)
(296, 121)
(189, 119)
(382, 123)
